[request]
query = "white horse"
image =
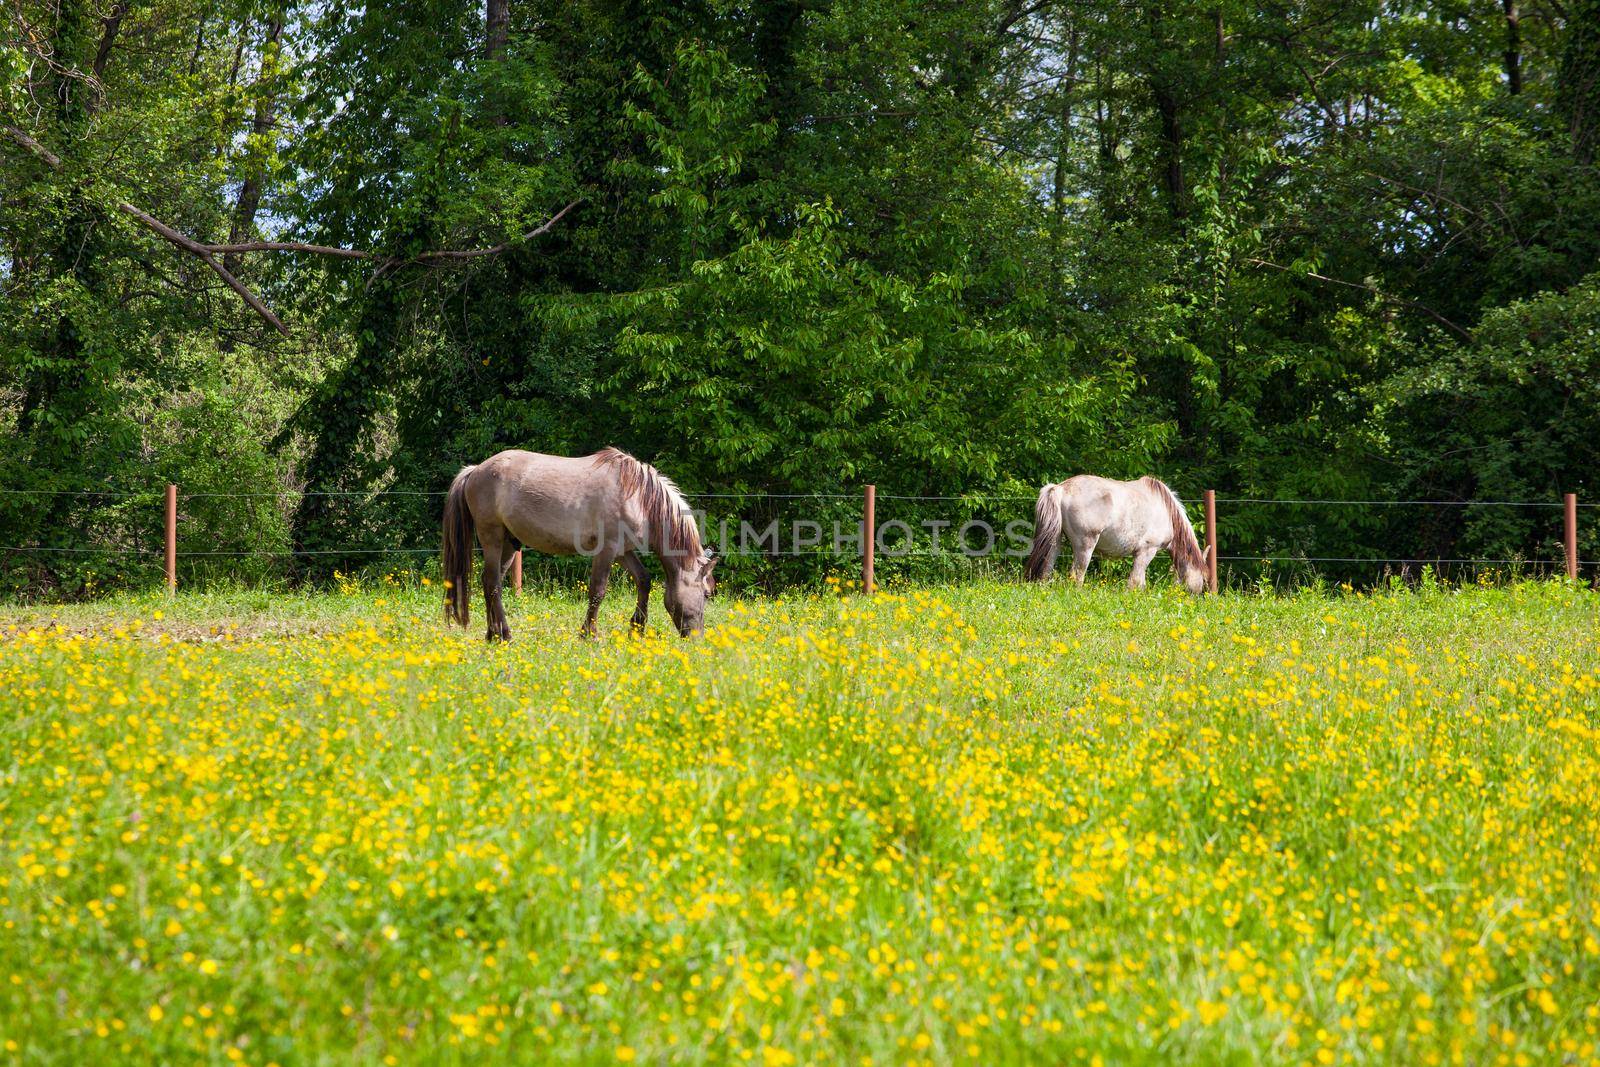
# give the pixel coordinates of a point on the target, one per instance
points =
(1114, 520)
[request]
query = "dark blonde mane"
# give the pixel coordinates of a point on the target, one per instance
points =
(672, 531)
(1185, 548)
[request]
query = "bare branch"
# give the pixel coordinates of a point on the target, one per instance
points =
(1380, 294)
(34, 146)
(207, 253)
(421, 257)
(1018, 12)
(293, 246)
(150, 222)
(199, 250)
(473, 253)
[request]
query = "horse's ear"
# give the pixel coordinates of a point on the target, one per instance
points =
(710, 561)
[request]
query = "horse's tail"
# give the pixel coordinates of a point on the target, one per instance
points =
(457, 550)
(1185, 546)
(1046, 535)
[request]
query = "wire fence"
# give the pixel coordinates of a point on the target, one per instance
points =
(971, 502)
(257, 553)
(752, 495)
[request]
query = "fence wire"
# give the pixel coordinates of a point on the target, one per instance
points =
(971, 498)
(976, 500)
(1391, 559)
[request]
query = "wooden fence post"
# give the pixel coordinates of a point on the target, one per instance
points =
(172, 539)
(869, 541)
(1211, 540)
(516, 572)
(1570, 502)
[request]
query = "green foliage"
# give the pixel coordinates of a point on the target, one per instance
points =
(1515, 417)
(1578, 94)
(882, 378)
(203, 424)
(953, 249)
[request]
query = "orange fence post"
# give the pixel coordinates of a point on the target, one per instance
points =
(1211, 540)
(172, 538)
(1570, 502)
(516, 572)
(869, 541)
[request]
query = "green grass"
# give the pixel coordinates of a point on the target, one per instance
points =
(986, 823)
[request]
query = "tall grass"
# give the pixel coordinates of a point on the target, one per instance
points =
(985, 823)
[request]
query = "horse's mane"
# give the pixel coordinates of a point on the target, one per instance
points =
(672, 530)
(1185, 547)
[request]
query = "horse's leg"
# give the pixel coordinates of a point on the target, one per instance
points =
(1141, 560)
(641, 581)
(1082, 553)
(599, 575)
(508, 553)
(492, 539)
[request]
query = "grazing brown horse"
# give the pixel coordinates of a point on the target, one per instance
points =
(1114, 519)
(608, 506)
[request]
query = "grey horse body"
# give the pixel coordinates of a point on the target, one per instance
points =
(608, 506)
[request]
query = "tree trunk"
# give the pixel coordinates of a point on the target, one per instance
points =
(776, 40)
(69, 400)
(1578, 89)
(109, 26)
(1513, 47)
(1168, 109)
(238, 53)
(73, 253)
(496, 36)
(497, 28)
(1069, 82)
(199, 43)
(255, 156)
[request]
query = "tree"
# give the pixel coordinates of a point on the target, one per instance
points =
(777, 245)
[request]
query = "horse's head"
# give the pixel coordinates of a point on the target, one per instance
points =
(686, 592)
(1193, 574)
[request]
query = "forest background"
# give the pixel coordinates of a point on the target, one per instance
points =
(1308, 250)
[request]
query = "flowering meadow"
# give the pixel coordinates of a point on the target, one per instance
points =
(984, 823)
